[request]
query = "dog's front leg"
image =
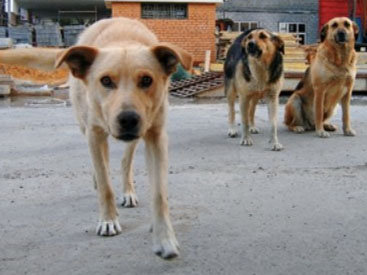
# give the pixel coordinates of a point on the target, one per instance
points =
(129, 196)
(319, 112)
(231, 98)
(164, 240)
(345, 103)
(245, 116)
(272, 99)
(98, 147)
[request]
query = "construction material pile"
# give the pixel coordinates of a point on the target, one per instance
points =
(56, 77)
(21, 34)
(71, 34)
(48, 35)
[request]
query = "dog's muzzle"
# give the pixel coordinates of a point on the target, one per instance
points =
(129, 123)
(341, 37)
(253, 49)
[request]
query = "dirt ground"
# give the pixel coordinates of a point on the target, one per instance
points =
(236, 210)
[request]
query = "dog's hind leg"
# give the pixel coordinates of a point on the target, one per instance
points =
(273, 112)
(98, 147)
(231, 97)
(129, 196)
(164, 240)
(293, 117)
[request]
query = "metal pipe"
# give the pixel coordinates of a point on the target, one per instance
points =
(9, 13)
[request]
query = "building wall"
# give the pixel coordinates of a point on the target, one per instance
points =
(270, 13)
(195, 34)
(274, 5)
(335, 8)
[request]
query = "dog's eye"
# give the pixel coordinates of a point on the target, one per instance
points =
(145, 82)
(250, 36)
(346, 24)
(335, 25)
(262, 36)
(107, 82)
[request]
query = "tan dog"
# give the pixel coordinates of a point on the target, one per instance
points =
(328, 80)
(119, 86)
(253, 70)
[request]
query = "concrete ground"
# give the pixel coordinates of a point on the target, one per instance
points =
(236, 210)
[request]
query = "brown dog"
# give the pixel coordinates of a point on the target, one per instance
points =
(253, 70)
(119, 86)
(328, 80)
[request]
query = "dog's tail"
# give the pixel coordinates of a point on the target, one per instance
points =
(38, 58)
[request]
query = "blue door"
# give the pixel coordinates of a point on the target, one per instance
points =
(358, 20)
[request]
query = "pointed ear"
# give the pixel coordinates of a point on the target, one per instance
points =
(356, 31)
(78, 58)
(323, 32)
(278, 42)
(169, 56)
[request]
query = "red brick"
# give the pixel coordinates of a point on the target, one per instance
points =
(195, 34)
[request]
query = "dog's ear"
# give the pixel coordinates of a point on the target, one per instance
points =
(78, 58)
(279, 43)
(169, 56)
(323, 32)
(356, 31)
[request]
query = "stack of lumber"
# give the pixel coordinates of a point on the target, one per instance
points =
(295, 55)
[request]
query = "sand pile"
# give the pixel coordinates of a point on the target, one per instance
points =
(56, 77)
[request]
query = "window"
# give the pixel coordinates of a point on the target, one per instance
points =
(298, 29)
(163, 11)
(244, 26)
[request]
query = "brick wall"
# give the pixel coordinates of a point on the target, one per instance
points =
(195, 34)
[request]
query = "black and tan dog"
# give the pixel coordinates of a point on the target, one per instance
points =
(119, 86)
(329, 79)
(253, 70)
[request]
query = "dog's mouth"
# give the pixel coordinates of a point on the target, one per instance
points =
(254, 50)
(341, 38)
(127, 137)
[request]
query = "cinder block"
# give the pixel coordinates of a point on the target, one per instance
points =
(5, 90)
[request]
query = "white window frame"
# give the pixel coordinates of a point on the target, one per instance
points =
(238, 23)
(284, 27)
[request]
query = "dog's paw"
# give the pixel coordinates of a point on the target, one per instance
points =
(108, 228)
(232, 132)
(277, 147)
(350, 133)
(322, 134)
(299, 129)
(247, 141)
(129, 200)
(166, 248)
(253, 130)
(330, 127)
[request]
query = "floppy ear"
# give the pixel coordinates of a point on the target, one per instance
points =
(323, 32)
(356, 31)
(169, 56)
(78, 58)
(279, 43)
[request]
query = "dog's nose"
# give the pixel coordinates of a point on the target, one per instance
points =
(341, 36)
(128, 120)
(251, 45)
